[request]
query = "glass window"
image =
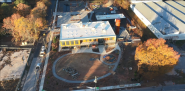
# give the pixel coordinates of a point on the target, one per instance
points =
(67, 42)
(72, 42)
(63, 42)
(111, 38)
(76, 42)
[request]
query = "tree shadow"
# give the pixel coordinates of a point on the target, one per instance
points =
(149, 72)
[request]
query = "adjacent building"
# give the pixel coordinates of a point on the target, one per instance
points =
(165, 19)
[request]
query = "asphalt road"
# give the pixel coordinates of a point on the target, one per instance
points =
(30, 82)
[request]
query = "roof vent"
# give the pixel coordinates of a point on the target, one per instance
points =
(65, 27)
(93, 29)
(103, 30)
(102, 24)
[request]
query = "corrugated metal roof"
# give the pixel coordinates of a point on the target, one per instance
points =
(155, 19)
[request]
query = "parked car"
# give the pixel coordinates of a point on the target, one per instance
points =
(42, 51)
(38, 65)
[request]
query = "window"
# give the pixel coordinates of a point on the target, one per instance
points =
(111, 38)
(72, 42)
(67, 42)
(62, 43)
(77, 42)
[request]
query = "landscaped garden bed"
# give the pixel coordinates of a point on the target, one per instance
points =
(111, 57)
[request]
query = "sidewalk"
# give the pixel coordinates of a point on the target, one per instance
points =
(110, 87)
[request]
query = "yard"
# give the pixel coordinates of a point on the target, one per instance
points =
(83, 64)
(122, 75)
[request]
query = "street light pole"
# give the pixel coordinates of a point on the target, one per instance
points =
(95, 81)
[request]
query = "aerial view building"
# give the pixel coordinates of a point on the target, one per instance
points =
(86, 34)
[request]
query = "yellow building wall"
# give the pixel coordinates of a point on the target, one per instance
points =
(84, 40)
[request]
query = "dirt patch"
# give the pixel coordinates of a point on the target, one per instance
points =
(87, 68)
(8, 85)
(53, 84)
(122, 75)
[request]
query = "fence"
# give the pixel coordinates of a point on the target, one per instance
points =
(24, 72)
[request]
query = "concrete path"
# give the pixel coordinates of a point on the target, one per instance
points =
(101, 49)
(110, 87)
(30, 83)
(86, 81)
(101, 57)
(83, 50)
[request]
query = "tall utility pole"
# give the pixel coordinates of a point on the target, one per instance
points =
(95, 81)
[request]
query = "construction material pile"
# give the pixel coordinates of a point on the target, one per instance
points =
(72, 72)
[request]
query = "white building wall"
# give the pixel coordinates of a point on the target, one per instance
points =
(157, 33)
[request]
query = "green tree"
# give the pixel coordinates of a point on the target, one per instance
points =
(16, 2)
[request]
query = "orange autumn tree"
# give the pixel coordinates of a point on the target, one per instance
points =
(23, 9)
(154, 56)
(22, 29)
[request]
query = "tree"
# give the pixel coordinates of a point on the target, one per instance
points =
(46, 2)
(23, 9)
(154, 56)
(39, 13)
(20, 1)
(40, 10)
(22, 29)
(125, 4)
(8, 23)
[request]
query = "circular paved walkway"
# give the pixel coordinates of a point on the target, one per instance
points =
(86, 81)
